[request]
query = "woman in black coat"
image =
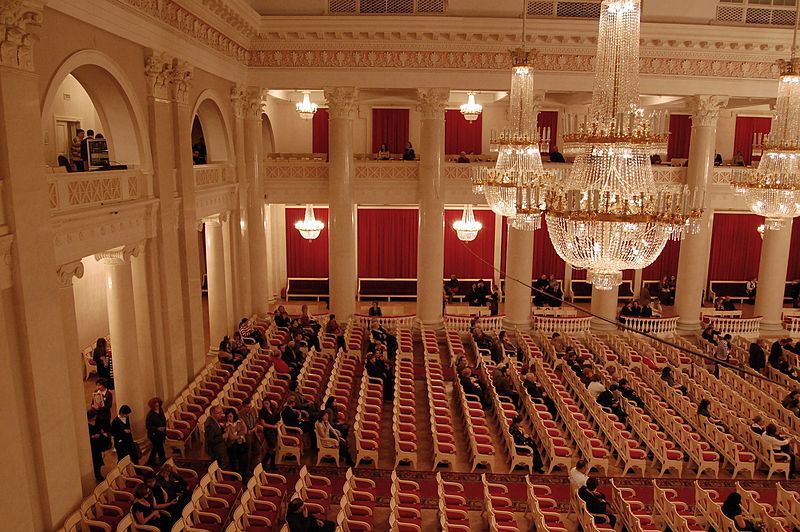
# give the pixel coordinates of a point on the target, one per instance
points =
(156, 425)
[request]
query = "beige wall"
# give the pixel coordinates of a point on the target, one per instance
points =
(90, 302)
(71, 102)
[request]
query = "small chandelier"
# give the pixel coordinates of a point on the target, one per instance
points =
(608, 215)
(309, 227)
(471, 110)
(773, 189)
(761, 228)
(306, 109)
(467, 228)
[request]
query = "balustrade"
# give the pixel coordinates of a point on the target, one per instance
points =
(747, 327)
(555, 311)
(488, 324)
(567, 325)
(792, 325)
(77, 190)
(208, 175)
(656, 326)
(388, 322)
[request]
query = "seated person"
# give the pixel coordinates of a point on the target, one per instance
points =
(655, 307)
(556, 156)
(540, 295)
(596, 386)
(471, 385)
(333, 328)
(375, 309)
(758, 425)
(596, 503)
(383, 152)
(462, 158)
(665, 291)
(627, 392)
(226, 354)
(779, 444)
(294, 417)
(299, 518)
(247, 330)
(751, 289)
(502, 384)
(666, 376)
(538, 394)
(718, 160)
(703, 411)
(732, 509)
(709, 334)
(451, 288)
(738, 159)
(610, 399)
(559, 344)
(626, 311)
(330, 437)
(281, 317)
(484, 341)
(727, 304)
(408, 153)
(522, 438)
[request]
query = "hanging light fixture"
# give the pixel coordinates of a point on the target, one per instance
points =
(761, 228)
(471, 110)
(467, 228)
(306, 109)
(513, 187)
(608, 215)
(309, 226)
(773, 189)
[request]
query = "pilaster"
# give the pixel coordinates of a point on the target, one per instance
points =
(241, 234)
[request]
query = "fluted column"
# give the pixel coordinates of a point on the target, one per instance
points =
(240, 103)
(772, 277)
(342, 251)
(122, 326)
(604, 304)
(519, 266)
(144, 325)
(69, 319)
(694, 248)
(430, 254)
(217, 296)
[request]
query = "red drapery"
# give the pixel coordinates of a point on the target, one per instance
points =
(666, 264)
(549, 119)
(461, 135)
(746, 127)
(389, 126)
(735, 247)
(503, 246)
(387, 243)
(306, 258)
(319, 128)
(458, 255)
(680, 133)
(545, 258)
(793, 272)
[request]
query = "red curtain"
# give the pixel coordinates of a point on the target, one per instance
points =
(793, 272)
(503, 246)
(319, 128)
(549, 119)
(387, 243)
(746, 127)
(545, 258)
(680, 133)
(390, 126)
(306, 258)
(735, 247)
(666, 264)
(461, 135)
(459, 257)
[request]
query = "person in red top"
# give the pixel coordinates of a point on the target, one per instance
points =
(280, 365)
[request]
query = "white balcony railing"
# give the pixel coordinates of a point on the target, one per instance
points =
(565, 325)
(77, 190)
(746, 327)
(489, 324)
(655, 326)
(792, 325)
(209, 175)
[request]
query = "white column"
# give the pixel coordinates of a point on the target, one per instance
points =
(497, 258)
(122, 325)
(604, 304)
(430, 254)
(694, 248)
(66, 296)
(342, 249)
(144, 328)
(215, 264)
(637, 283)
(230, 272)
(519, 265)
(240, 234)
(772, 277)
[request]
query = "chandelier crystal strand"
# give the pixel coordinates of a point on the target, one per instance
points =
(773, 190)
(467, 228)
(309, 226)
(609, 215)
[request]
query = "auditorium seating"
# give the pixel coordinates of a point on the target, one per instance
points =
(453, 508)
(404, 412)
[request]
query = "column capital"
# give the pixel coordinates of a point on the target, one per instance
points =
(181, 81)
(432, 102)
(118, 256)
(67, 271)
(19, 18)
(216, 220)
(341, 101)
(158, 71)
(705, 109)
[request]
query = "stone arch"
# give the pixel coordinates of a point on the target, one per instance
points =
(267, 135)
(216, 126)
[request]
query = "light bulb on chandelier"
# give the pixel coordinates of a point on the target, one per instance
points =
(471, 110)
(467, 228)
(306, 109)
(309, 226)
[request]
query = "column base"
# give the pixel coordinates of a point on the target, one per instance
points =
(773, 328)
(685, 328)
(524, 326)
(600, 325)
(437, 323)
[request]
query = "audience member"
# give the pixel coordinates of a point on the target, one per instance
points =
(383, 152)
(462, 158)
(666, 376)
(758, 425)
(268, 418)
(738, 159)
(451, 288)
(101, 403)
(408, 153)
(102, 359)
(247, 330)
(85, 149)
(471, 386)
(375, 309)
(596, 503)
(281, 318)
(329, 437)
(578, 475)
(75, 150)
(124, 443)
(520, 437)
(757, 359)
(144, 511)
(709, 334)
(732, 509)
(718, 160)
(98, 443)
(215, 436)
(300, 519)
(751, 289)
(703, 411)
(595, 386)
(174, 486)
(556, 156)
(235, 435)
(156, 425)
(333, 328)
(779, 444)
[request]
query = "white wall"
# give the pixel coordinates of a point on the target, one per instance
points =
(90, 302)
(292, 133)
(73, 103)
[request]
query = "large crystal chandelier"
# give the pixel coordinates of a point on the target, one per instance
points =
(513, 188)
(467, 228)
(306, 109)
(471, 110)
(309, 226)
(608, 215)
(773, 189)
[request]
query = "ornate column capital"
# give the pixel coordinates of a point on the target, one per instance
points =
(19, 18)
(181, 81)
(118, 256)
(239, 100)
(158, 71)
(67, 271)
(705, 109)
(432, 102)
(216, 220)
(342, 101)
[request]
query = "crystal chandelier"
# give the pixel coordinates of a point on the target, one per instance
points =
(471, 110)
(309, 226)
(773, 189)
(513, 188)
(608, 215)
(467, 228)
(306, 109)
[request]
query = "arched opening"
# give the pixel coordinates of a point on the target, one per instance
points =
(210, 130)
(267, 135)
(89, 91)
(199, 152)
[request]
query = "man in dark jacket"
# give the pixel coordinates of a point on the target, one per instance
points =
(758, 358)
(596, 503)
(214, 434)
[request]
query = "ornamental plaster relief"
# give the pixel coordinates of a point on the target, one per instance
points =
(213, 200)
(19, 18)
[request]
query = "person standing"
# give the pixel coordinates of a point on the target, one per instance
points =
(249, 416)
(102, 361)
(99, 442)
(156, 425)
(214, 435)
(236, 441)
(101, 403)
(123, 435)
(75, 150)
(757, 359)
(85, 149)
(268, 418)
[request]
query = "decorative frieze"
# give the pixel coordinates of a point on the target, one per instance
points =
(158, 71)
(181, 81)
(19, 18)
